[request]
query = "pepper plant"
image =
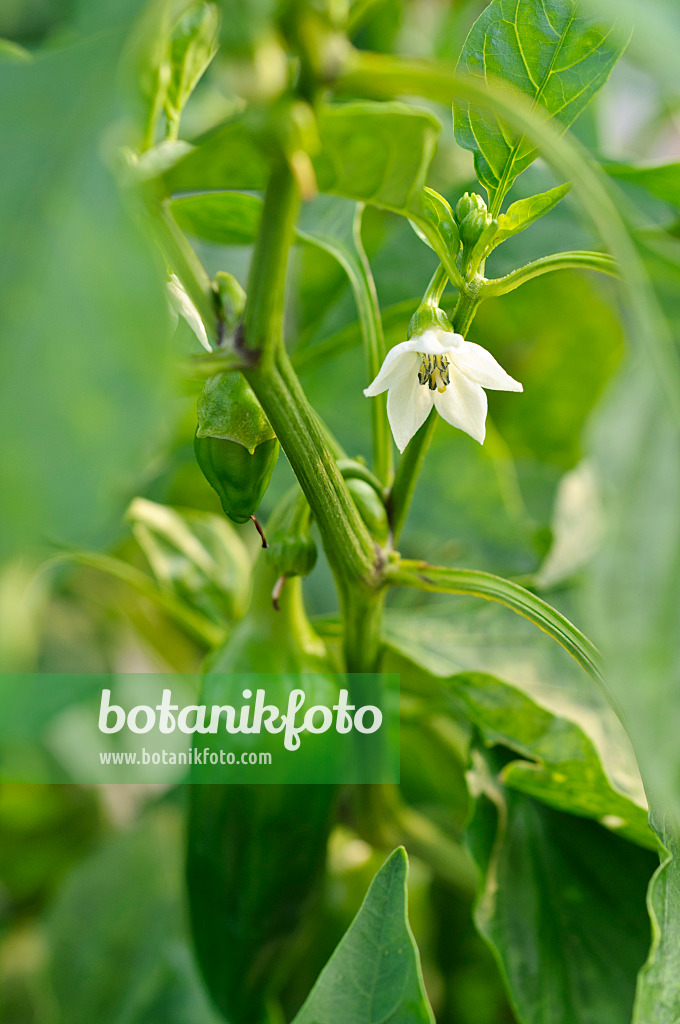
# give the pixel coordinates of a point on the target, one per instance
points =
(525, 806)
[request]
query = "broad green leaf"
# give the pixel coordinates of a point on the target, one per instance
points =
(524, 212)
(442, 580)
(374, 975)
(561, 766)
(86, 334)
(196, 555)
(193, 45)
(116, 934)
(561, 903)
(555, 53)
(440, 216)
(372, 152)
(662, 180)
(446, 639)
(658, 991)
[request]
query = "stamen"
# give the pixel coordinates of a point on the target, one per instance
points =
(434, 371)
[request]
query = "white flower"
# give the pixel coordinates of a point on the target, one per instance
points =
(182, 304)
(438, 368)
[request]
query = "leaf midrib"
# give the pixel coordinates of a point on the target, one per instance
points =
(506, 175)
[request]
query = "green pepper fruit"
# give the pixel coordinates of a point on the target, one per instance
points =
(371, 508)
(256, 853)
(292, 551)
(239, 477)
(235, 445)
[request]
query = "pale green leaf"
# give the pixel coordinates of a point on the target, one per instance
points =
(374, 975)
(193, 45)
(555, 53)
(196, 555)
(524, 212)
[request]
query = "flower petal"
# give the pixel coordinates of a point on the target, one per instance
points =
(408, 406)
(429, 342)
(185, 307)
(399, 362)
(481, 368)
(463, 405)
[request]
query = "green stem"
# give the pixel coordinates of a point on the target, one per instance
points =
(371, 328)
(447, 258)
(408, 470)
(545, 265)
(435, 289)
(262, 329)
(348, 544)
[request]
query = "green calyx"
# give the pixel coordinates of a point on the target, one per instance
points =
(427, 318)
(228, 409)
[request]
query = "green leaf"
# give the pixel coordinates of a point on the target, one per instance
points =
(658, 991)
(117, 934)
(561, 904)
(376, 153)
(554, 53)
(374, 975)
(493, 588)
(196, 555)
(524, 212)
(662, 180)
(561, 765)
(193, 45)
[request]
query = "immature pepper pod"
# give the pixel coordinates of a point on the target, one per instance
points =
(235, 445)
(292, 551)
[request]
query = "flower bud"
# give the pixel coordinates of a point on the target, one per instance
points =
(427, 317)
(472, 226)
(469, 203)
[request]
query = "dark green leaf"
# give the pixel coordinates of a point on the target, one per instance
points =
(553, 52)
(562, 904)
(374, 975)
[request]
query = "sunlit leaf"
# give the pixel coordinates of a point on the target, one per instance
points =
(555, 53)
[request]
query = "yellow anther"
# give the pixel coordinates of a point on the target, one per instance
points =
(434, 371)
